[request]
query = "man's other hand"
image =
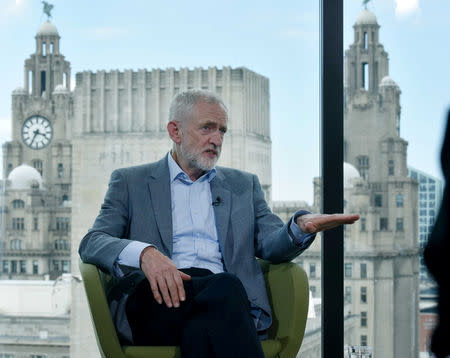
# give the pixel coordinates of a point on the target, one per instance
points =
(165, 280)
(311, 223)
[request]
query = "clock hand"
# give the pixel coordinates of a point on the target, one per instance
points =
(36, 132)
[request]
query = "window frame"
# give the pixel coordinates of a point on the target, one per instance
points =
(332, 159)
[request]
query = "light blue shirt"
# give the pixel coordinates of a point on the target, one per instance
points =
(195, 241)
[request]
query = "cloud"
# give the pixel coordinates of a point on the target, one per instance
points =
(107, 32)
(406, 7)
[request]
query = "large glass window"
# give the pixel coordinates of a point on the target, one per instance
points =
(383, 121)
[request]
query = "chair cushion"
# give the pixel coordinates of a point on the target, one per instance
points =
(271, 348)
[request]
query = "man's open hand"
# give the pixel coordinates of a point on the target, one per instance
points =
(165, 280)
(311, 223)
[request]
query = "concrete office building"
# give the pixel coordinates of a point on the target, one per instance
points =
(34, 318)
(430, 196)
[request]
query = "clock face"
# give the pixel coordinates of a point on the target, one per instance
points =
(37, 132)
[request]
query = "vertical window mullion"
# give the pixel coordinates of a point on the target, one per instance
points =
(332, 101)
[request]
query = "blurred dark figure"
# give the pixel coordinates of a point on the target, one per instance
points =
(437, 257)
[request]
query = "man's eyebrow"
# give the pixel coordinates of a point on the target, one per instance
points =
(209, 123)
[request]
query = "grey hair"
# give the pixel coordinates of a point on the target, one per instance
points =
(183, 103)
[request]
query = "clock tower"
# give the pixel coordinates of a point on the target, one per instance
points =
(41, 111)
(37, 166)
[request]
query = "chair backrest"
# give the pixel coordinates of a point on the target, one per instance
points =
(288, 293)
(94, 282)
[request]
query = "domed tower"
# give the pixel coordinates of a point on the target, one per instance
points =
(366, 62)
(371, 105)
(41, 111)
(384, 243)
(46, 68)
(37, 167)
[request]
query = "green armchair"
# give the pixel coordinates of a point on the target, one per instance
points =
(287, 288)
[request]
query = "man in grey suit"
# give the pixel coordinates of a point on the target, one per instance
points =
(189, 232)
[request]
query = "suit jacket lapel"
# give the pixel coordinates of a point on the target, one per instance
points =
(219, 189)
(159, 185)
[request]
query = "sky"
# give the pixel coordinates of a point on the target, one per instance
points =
(278, 41)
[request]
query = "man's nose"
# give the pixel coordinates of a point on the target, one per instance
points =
(216, 139)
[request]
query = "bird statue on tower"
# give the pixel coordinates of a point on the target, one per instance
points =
(47, 9)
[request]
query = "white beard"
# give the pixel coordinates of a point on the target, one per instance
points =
(196, 160)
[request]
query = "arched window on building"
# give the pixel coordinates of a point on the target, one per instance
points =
(35, 267)
(363, 165)
(37, 164)
(60, 170)
(399, 200)
(15, 244)
(62, 224)
(18, 204)
(43, 82)
(30, 82)
(391, 168)
(61, 244)
(365, 76)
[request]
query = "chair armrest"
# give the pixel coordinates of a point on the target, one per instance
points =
(288, 292)
(105, 332)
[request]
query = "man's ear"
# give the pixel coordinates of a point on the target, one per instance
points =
(174, 130)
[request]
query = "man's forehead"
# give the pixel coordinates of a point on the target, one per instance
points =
(209, 111)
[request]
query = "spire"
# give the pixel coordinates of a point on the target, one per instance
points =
(46, 68)
(366, 62)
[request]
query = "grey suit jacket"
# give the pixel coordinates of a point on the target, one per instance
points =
(137, 206)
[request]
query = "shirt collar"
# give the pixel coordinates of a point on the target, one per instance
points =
(176, 172)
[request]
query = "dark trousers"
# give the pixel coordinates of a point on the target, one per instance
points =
(213, 321)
